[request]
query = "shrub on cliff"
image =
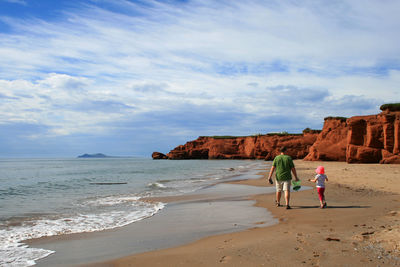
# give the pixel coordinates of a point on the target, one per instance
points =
(342, 119)
(223, 136)
(308, 130)
(283, 134)
(391, 107)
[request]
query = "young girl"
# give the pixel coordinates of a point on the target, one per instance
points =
(320, 179)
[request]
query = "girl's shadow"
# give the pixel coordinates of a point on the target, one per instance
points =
(331, 207)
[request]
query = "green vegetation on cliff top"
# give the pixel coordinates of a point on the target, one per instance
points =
(307, 130)
(223, 136)
(342, 119)
(391, 107)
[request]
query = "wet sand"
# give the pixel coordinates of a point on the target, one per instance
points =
(222, 208)
(360, 226)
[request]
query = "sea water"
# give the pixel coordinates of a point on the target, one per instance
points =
(47, 197)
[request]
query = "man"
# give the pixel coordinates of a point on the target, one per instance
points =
(283, 164)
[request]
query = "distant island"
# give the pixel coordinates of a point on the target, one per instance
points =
(98, 155)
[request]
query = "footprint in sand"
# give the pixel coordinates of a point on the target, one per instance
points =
(300, 238)
(225, 259)
(224, 245)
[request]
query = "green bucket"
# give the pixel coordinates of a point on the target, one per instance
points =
(296, 185)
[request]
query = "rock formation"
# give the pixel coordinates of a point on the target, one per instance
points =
(372, 139)
(359, 139)
(331, 142)
(249, 147)
(158, 155)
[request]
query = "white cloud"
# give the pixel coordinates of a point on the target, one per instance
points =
(64, 82)
(201, 35)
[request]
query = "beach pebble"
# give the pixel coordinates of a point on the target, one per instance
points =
(368, 233)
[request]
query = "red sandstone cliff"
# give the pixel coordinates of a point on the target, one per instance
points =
(374, 138)
(359, 139)
(250, 147)
(331, 143)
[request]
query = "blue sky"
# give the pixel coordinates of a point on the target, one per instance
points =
(132, 77)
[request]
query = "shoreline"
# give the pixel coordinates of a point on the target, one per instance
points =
(220, 208)
(361, 226)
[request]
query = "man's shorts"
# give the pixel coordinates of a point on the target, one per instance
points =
(282, 185)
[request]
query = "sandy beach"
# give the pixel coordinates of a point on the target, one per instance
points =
(360, 226)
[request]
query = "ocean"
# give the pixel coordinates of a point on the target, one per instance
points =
(47, 197)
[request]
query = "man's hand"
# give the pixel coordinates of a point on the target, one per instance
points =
(270, 181)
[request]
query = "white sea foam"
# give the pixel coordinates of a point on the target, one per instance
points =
(111, 200)
(156, 185)
(14, 253)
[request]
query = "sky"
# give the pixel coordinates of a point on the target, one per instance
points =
(126, 78)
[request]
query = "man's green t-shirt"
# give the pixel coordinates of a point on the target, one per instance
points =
(283, 165)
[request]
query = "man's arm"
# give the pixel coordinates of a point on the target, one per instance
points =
(295, 173)
(270, 173)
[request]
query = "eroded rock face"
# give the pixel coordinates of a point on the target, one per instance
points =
(374, 138)
(359, 139)
(250, 147)
(331, 142)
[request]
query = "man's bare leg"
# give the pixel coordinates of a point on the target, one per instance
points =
(278, 198)
(287, 199)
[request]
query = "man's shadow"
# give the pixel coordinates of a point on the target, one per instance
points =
(331, 207)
